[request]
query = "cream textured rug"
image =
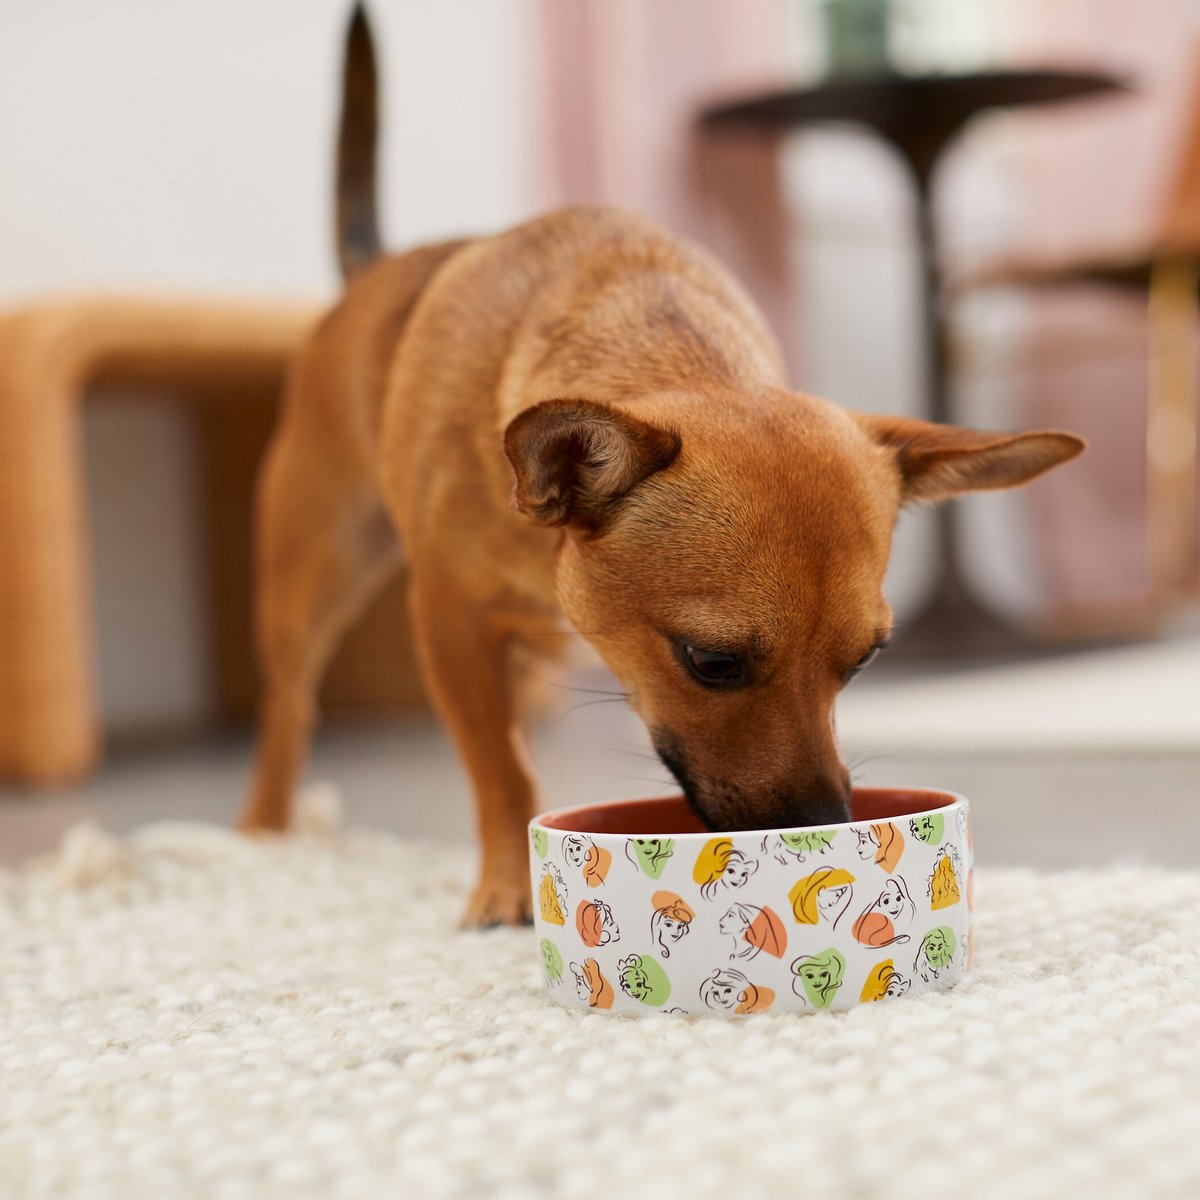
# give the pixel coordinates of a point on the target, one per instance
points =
(189, 1014)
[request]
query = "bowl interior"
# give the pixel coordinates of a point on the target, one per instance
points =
(671, 816)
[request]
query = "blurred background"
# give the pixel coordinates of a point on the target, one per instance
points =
(981, 210)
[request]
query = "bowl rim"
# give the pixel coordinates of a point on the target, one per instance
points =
(567, 820)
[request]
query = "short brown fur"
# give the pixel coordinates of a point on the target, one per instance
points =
(586, 417)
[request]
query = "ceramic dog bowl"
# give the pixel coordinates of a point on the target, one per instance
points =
(639, 909)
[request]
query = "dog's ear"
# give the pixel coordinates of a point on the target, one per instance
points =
(940, 461)
(575, 459)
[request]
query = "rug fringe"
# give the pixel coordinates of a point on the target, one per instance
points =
(319, 810)
(89, 856)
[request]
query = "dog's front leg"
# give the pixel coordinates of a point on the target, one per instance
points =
(465, 658)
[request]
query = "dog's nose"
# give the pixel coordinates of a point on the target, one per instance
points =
(822, 801)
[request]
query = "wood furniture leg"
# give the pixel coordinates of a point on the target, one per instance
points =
(50, 355)
(48, 726)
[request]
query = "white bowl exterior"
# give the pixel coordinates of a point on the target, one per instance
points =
(788, 921)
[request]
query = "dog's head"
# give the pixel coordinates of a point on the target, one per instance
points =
(726, 555)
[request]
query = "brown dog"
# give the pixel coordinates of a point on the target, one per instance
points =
(587, 416)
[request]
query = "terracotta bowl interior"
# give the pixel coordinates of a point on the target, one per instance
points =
(670, 816)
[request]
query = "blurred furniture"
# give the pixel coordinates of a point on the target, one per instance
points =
(227, 362)
(1163, 264)
(918, 116)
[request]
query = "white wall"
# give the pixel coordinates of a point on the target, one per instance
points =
(187, 147)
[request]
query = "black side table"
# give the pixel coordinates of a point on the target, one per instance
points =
(918, 115)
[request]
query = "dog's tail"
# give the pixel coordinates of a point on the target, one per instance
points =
(357, 149)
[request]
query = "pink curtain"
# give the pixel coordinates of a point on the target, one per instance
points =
(1097, 178)
(626, 79)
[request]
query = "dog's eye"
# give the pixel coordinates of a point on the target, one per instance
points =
(713, 667)
(866, 660)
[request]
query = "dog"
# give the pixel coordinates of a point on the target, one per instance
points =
(584, 417)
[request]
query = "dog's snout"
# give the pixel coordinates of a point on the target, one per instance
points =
(777, 799)
(820, 802)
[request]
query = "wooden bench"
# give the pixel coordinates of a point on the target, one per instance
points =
(51, 356)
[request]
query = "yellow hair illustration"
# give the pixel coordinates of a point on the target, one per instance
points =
(549, 902)
(943, 885)
(805, 893)
(712, 861)
(877, 981)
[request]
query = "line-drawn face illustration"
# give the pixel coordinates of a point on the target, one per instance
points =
(818, 976)
(822, 896)
(876, 926)
(753, 929)
(651, 854)
(812, 841)
(552, 962)
(722, 989)
(719, 865)
(582, 990)
(552, 896)
(867, 845)
(732, 991)
(593, 861)
(798, 845)
(881, 844)
(736, 920)
(894, 899)
(884, 982)
(595, 923)
(670, 921)
(930, 828)
(738, 869)
(643, 979)
(943, 888)
(590, 984)
(936, 953)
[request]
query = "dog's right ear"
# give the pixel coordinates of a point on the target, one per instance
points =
(574, 460)
(936, 462)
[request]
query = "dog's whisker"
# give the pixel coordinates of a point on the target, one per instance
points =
(636, 754)
(588, 704)
(854, 769)
(858, 763)
(663, 785)
(571, 687)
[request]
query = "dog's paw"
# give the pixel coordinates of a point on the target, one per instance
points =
(499, 902)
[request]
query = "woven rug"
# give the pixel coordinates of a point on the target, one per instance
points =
(187, 1013)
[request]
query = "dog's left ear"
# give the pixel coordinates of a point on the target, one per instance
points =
(940, 461)
(574, 460)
